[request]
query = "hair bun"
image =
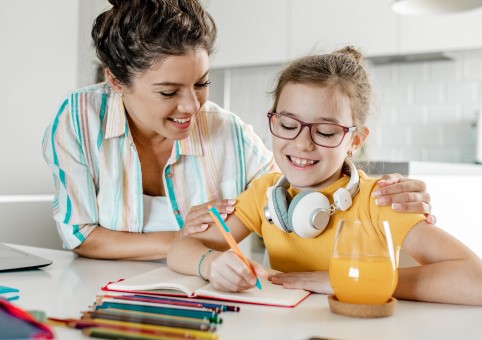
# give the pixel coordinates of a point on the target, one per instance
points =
(116, 3)
(351, 52)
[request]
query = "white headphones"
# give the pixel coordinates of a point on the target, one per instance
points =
(308, 213)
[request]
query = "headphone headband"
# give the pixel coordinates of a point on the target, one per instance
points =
(354, 182)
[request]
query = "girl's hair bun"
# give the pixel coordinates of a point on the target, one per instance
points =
(350, 52)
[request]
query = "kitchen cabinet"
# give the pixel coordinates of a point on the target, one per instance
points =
(250, 32)
(324, 25)
(429, 33)
(275, 31)
(254, 32)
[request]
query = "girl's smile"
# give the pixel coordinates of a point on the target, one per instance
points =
(301, 163)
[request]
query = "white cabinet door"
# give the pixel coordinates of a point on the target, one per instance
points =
(441, 32)
(250, 32)
(322, 25)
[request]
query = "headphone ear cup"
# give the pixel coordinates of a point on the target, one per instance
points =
(307, 208)
(278, 203)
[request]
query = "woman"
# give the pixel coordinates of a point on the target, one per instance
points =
(137, 160)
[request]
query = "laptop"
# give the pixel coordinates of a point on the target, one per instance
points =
(15, 259)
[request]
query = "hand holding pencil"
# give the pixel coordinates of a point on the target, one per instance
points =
(223, 228)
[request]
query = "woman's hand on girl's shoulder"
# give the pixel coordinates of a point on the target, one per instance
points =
(404, 195)
(198, 218)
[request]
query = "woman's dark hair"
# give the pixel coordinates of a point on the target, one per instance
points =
(135, 34)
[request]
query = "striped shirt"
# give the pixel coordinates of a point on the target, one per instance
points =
(97, 172)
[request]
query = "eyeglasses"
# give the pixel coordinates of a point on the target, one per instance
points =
(322, 134)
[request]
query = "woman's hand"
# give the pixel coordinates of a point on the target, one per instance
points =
(227, 272)
(198, 218)
(404, 195)
(317, 282)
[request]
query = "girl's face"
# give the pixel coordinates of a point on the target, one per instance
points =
(164, 100)
(305, 164)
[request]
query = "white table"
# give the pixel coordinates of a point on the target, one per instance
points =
(70, 284)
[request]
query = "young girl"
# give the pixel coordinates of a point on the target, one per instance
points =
(318, 121)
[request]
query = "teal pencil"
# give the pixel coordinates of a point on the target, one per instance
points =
(223, 228)
(152, 315)
(207, 315)
(214, 306)
(138, 302)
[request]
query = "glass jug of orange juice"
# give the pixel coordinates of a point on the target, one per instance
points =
(362, 269)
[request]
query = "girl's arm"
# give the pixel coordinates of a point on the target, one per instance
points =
(224, 269)
(449, 271)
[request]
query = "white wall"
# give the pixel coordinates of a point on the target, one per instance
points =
(38, 65)
(86, 67)
(44, 55)
(427, 110)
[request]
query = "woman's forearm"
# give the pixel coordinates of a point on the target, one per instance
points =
(103, 243)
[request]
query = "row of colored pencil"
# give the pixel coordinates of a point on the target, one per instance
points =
(136, 316)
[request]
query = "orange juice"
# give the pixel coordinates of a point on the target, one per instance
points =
(363, 280)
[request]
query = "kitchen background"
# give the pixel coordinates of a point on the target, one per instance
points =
(427, 72)
(426, 111)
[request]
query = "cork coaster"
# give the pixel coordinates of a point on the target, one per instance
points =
(362, 311)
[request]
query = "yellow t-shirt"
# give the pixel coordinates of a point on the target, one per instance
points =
(289, 252)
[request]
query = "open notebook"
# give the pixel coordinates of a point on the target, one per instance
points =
(164, 281)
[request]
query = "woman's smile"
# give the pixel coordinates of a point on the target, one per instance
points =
(181, 123)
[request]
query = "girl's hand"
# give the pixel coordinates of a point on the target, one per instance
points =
(404, 195)
(227, 272)
(317, 282)
(198, 218)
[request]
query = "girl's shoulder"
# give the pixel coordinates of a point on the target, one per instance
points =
(259, 186)
(367, 183)
(267, 180)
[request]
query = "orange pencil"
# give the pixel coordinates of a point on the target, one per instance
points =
(231, 241)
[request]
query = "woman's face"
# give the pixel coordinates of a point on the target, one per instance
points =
(305, 164)
(164, 100)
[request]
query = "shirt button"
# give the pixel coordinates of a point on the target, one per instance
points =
(176, 212)
(169, 175)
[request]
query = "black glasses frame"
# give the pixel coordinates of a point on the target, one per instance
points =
(346, 129)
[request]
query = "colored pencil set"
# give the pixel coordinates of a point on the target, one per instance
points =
(137, 316)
